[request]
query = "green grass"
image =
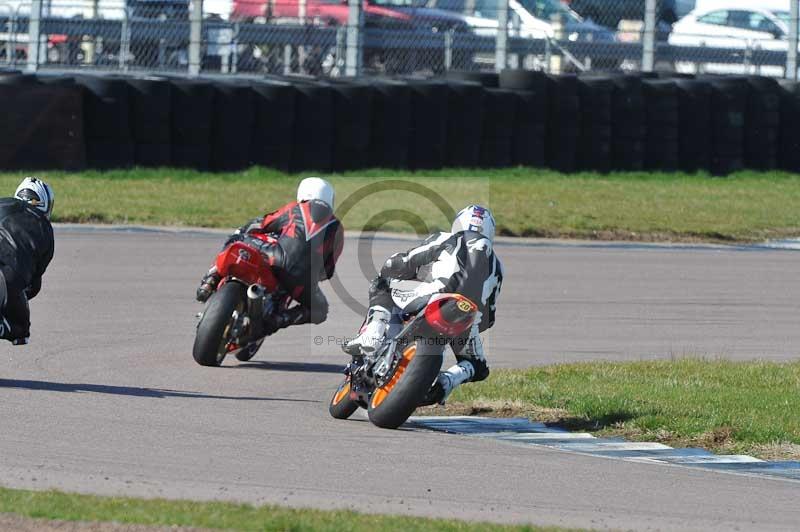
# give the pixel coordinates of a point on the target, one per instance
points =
(220, 515)
(527, 202)
(749, 407)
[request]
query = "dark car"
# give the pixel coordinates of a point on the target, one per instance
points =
(159, 9)
(609, 12)
(417, 54)
(579, 28)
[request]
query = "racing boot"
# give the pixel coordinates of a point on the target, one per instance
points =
(208, 284)
(294, 316)
(447, 381)
(373, 333)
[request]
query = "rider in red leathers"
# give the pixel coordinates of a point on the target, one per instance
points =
(310, 241)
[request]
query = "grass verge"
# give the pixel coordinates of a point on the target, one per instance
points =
(634, 206)
(727, 407)
(221, 515)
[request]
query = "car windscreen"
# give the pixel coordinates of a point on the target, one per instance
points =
(547, 9)
(783, 16)
(396, 3)
(459, 6)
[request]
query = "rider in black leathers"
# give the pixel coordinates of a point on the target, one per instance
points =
(26, 249)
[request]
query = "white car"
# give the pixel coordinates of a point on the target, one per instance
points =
(529, 19)
(482, 15)
(734, 24)
(105, 9)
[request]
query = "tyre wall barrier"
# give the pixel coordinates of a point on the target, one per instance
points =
(151, 128)
(530, 122)
(41, 127)
(616, 122)
(390, 125)
(106, 122)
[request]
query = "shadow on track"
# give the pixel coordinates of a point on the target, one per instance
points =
(300, 367)
(131, 391)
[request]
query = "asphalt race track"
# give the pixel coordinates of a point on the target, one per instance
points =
(108, 400)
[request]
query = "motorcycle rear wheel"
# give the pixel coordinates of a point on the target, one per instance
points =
(341, 405)
(212, 332)
(392, 404)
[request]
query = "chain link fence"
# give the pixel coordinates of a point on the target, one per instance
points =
(335, 38)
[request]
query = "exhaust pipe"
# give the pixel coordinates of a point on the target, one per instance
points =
(255, 301)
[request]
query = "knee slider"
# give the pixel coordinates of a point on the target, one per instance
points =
(319, 313)
(481, 370)
(378, 286)
(380, 293)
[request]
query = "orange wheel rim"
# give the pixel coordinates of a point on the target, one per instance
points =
(379, 395)
(341, 393)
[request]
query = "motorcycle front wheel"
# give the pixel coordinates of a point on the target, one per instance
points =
(213, 331)
(392, 404)
(341, 405)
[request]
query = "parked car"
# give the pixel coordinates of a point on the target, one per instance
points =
(576, 28)
(609, 13)
(684, 7)
(533, 19)
(387, 18)
(737, 25)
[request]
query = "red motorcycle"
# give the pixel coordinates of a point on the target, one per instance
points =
(394, 381)
(247, 294)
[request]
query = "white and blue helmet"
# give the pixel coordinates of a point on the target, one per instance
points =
(475, 218)
(38, 193)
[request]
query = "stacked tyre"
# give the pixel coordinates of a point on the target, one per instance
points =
(489, 80)
(464, 124)
(499, 117)
(352, 104)
(41, 126)
(628, 123)
(106, 119)
(563, 122)
(391, 123)
(428, 135)
(312, 148)
(530, 124)
(789, 142)
(232, 126)
(273, 125)
(594, 146)
(762, 123)
(151, 114)
(728, 108)
(192, 119)
(694, 117)
(661, 147)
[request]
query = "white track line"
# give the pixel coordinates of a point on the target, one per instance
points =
(522, 431)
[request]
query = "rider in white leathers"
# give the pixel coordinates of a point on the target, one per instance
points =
(463, 262)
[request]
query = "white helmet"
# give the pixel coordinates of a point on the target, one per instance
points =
(38, 193)
(475, 218)
(315, 188)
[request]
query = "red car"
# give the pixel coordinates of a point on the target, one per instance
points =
(380, 55)
(332, 13)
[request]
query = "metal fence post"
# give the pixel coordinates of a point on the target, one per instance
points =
(34, 36)
(10, 52)
(354, 53)
(448, 49)
(649, 37)
(195, 36)
(124, 44)
(791, 55)
(501, 44)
